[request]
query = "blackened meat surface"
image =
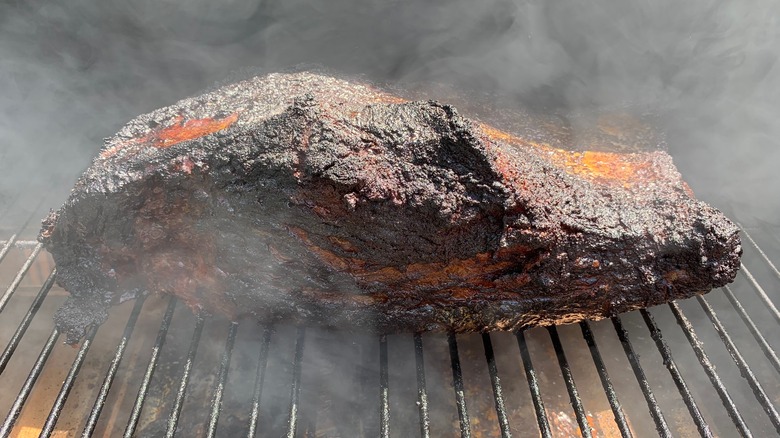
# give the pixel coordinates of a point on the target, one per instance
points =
(306, 198)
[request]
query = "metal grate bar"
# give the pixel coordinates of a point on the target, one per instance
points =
(614, 403)
(262, 360)
(67, 385)
(135, 414)
(16, 408)
(744, 369)
(178, 402)
(7, 246)
(19, 275)
(761, 251)
(709, 369)
(216, 402)
(666, 354)
(11, 240)
(25, 323)
(655, 410)
(457, 383)
(576, 401)
(384, 396)
(100, 401)
(22, 244)
(422, 392)
(769, 352)
(295, 389)
(533, 386)
(762, 294)
(495, 382)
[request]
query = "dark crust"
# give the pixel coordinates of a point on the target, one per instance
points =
(305, 198)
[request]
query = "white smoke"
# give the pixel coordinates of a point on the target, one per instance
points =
(73, 72)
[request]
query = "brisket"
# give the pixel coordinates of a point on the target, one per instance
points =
(309, 199)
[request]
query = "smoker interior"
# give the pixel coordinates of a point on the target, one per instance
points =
(705, 366)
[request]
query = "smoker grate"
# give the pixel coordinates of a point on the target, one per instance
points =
(166, 372)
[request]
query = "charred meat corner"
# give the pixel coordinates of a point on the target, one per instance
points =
(306, 198)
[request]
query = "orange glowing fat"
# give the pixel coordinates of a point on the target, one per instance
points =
(187, 130)
(607, 165)
(624, 168)
(181, 130)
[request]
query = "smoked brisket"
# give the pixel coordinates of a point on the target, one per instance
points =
(309, 199)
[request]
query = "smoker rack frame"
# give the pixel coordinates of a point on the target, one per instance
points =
(543, 420)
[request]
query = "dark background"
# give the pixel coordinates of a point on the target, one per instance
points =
(71, 73)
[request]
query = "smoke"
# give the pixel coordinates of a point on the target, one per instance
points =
(74, 73)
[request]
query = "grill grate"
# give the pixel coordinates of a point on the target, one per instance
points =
(294, 410)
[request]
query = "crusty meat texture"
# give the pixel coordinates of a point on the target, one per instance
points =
(306, 198)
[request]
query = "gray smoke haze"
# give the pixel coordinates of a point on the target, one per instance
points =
(74, 72)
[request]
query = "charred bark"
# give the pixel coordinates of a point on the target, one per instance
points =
(306, 198)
